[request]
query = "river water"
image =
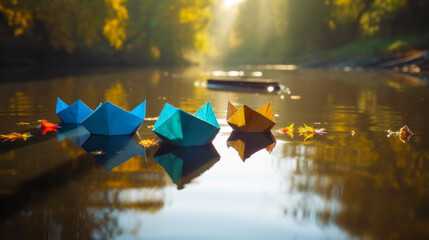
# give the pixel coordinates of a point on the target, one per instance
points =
(355, 182)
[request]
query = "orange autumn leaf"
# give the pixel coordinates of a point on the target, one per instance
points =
(404, 134)
(49, 129)
(289, 130)
(46, 124)
(22, 124)
(148, 142)
(14, 136)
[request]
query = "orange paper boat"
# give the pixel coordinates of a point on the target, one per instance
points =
(246, 119)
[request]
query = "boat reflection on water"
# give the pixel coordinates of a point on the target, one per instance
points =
(112, 151)
(183, 164)
(246, 144)
(78, 134)
(108, 151)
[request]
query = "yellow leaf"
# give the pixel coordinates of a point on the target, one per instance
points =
(14, 136)
(309, 129)
(309, 136)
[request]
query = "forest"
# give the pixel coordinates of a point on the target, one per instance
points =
(174, 32)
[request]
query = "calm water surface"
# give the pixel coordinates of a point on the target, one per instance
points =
(337, 186)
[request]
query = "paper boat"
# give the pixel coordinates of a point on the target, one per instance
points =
(246, 144)
(246, 119)
(183, 164)
(75, 113)
(111, 120)
(78, 134)
(112, 151)
(177, 127)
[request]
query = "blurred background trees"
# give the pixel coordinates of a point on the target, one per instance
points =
(145, 32)
(103, 31)
(273, 31)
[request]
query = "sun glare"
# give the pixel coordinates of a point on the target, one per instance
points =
(230, 3)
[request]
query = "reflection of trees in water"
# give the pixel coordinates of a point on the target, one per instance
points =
(370, 186)
(75, 198)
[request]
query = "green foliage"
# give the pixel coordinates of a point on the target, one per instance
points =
(307, 27)
(121, 31)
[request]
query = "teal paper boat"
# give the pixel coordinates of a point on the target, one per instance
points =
(183, 164)
(75, 113)
(111, 120)
(177, 127)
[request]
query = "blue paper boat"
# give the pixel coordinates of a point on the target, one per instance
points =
(185, 164)
(112, 151)
(78, 134)
(177, 127)
(111, 120)
(75, 113)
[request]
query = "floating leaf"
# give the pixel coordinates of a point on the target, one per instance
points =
(151, 119)
(22, 124)
(289, 130)
(305, 129)
(321, 131)
(46, 124)
(97, 152)
(404, 134)
(308, 136)
(49, 129)
(148, 142)
(151, 126)
(14, 136)
(309, 129)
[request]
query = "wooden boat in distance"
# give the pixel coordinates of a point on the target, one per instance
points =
(253, 84)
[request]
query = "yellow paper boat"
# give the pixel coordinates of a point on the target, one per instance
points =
(246, 119)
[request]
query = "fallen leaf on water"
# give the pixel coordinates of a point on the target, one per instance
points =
(151, 119)
(305, 129)
(97, 152)
(308, 136)
(46, 124)
(22, 123)
(321, 131)
(14, 136)
(148, 142)
(296, 97)
(404, 134)
(151, 126)
(289, 130)
(49, 129)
